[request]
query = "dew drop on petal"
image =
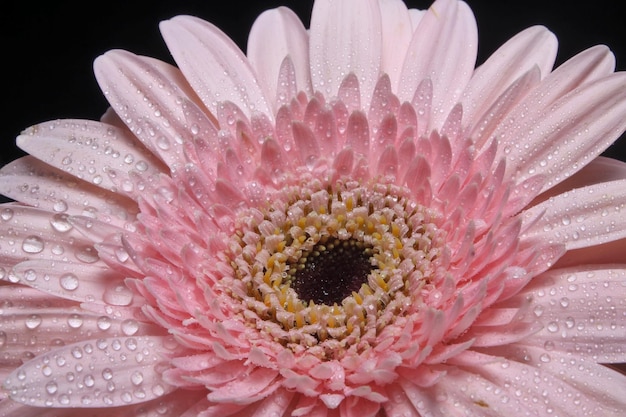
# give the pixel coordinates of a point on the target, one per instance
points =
(51, 387)
(136, 378)
(33, 321)
(30, 275)
(130, 327)
(32, 244)
(6, 214)
(87, 255)
(68, 282)
(103, 323)
(118, 295)
(75, 321)
(60, 223)
(89, 380)
(553, 327)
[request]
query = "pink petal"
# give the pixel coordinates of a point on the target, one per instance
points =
(200, 48)
(397, 31)
(599, 170)
(104, 373)
(276, 34)
(580, 218)
(582, 311)
(152, 103)
(443, 48)
(585, 389)
(306, 142)
(257, 385)
(595, 117)
(36, 183)
(576, 92)
(484, 126)
(88, 150)
(339, 30)
(39, 235)
(533, 47)
(79, 281)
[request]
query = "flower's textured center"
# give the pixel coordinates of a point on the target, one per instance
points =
(327, 268)
(331, 271)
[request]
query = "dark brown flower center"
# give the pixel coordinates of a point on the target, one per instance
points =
(332, 271)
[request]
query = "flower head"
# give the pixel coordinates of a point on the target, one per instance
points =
(347, 220)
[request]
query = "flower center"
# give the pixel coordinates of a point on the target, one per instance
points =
(327, 268)
(331, 271)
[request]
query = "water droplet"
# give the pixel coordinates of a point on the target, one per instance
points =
(33, 321)
(60, 223)
(30, 275)
(136, 378)
(89, 380)
(60, 206)
(87, 254)
(553, 327)
(68, 282)
(107, 374)
(104, 323)
(163, 143)
(130, 327)
(51, 387)
(75, 321)
(6, 214)
(33, 244)
(118, 295)
(141, 166)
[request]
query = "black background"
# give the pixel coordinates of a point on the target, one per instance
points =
(48, 48)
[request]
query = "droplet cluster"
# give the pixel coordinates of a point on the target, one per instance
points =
(90, 374)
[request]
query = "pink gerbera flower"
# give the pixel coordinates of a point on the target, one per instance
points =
(348, 221)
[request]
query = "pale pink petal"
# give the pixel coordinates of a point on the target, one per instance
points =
(200, 48)
(338, 30)
(550, 100)
(606, 253)
(593, 116)
(54, 381)
(581, 217)
(599, 170)
(589, 377)
(489, 381)
(88, 150)
(78, 281)
(580, 309)
(38, 184)
(483, 127)
(259, 384)
(36, 234)
(533, 47)
(443, 48)
(152, 103)
(29, 330)
(275, 35)
(397, 30)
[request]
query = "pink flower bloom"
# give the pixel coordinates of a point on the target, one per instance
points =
(349, 221)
